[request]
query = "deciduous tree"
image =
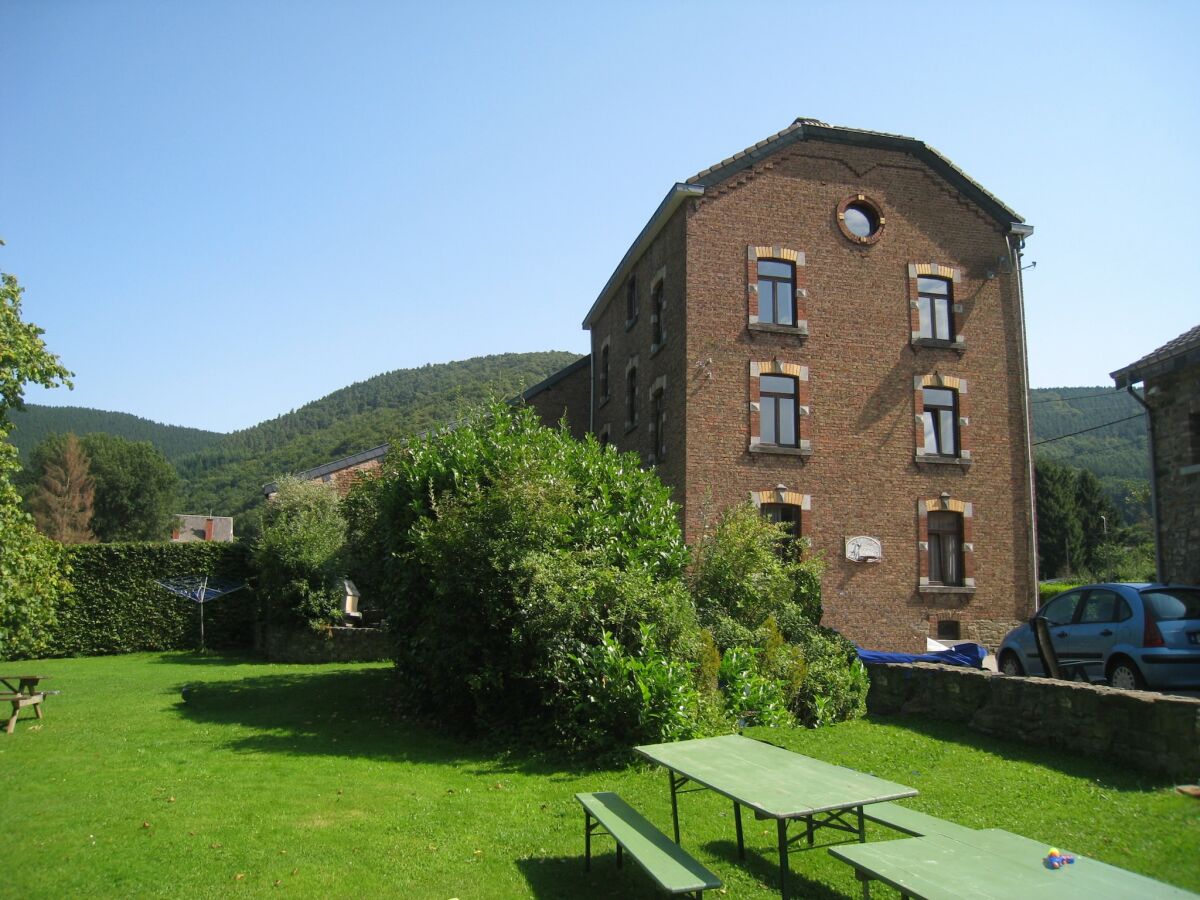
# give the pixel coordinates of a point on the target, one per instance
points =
(32, 581)
(62, 500)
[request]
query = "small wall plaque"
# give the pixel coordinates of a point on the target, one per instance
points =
(862, 548)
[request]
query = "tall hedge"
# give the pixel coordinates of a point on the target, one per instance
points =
(119, 608)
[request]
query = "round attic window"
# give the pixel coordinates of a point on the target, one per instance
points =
(860, 219)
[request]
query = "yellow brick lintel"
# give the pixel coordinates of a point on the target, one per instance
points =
(946, 381)
(795, 256)
(774, 495)
(775, 367)
(937, 504)
(936, 270)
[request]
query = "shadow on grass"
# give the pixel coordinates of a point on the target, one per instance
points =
(763, 864)
(347, 713)
(1065, 762)
(564, 877)
(209, 658)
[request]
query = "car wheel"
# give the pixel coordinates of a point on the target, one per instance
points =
(1010, 665)
(1124, 674)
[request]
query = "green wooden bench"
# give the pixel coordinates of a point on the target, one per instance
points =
(910, 821)
(665, 861)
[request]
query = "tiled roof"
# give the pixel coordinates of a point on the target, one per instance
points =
(813, 129)
(1179, 353)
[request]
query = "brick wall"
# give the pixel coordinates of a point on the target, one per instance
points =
(569, 395)
(859, 366)
(1175, 399)
(862, 475)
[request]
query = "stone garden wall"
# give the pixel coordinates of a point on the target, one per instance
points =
(1153, 732)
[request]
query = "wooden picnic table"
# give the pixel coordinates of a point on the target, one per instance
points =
(776, 784)
(991, 863)
(24, 684)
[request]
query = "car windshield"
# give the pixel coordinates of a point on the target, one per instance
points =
(1173, 603)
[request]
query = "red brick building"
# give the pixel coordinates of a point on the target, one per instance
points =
(830, 325)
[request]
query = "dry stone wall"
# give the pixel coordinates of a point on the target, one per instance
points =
(1153, 732)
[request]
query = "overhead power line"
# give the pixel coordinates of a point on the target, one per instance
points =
(1070, 399)
(1086, 430)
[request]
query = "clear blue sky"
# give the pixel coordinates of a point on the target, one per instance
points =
(222, 210)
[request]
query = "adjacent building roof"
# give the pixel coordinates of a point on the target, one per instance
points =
(1180, 353)
(801, 130)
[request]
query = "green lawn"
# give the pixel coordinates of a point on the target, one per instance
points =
(276, 779)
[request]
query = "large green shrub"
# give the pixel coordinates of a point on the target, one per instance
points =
(120, 608)
(500, 548)
(299, 554)
(835, 680)
(32, 582)
(747, 570)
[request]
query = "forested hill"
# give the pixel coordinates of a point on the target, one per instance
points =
(35, 423)
(1116, 453)
(226, 477)
(1115, 450)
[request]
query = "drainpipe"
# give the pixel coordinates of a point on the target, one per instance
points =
(1158, 566)
(1016, 236)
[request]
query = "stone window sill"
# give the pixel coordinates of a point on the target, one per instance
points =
(960, 461)
(630, 426)
(603, 402)
(945, 589)
(654, 348)
(1190, 470)
(629, 323)
(774, 450)
(935, 344)
(799, 330)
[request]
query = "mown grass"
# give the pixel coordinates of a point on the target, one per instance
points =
(297, 780)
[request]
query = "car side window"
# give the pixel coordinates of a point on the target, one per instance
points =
(1061, 610)
(1123, 610)
(1100, 606)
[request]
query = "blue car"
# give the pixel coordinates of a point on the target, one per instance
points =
(1131, 636)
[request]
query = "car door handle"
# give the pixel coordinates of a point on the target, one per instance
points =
(1061, 634)
(1107, 632)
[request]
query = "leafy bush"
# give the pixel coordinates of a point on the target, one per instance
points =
(299, 554)
(613, 698)
(118, 606)
(503, 547)
(746, 571)
(835, 680)
(751, 697)
(1047, 591)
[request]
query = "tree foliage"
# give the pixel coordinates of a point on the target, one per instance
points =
(137, 490)
(299, 554)
(1079, 530)
(32, 580)
(747, 570)
(62, 500)
(508, 550)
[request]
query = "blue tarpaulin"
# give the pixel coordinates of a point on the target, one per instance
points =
(970, 655)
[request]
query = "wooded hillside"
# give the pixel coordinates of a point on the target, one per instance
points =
(226, 478)
(35, 423)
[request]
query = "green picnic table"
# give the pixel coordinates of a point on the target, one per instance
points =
(991, 864)
(776, 784)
